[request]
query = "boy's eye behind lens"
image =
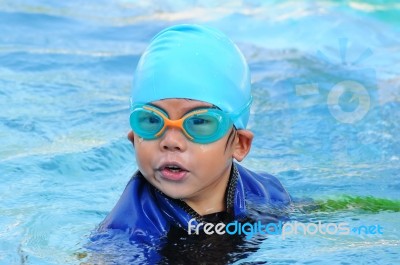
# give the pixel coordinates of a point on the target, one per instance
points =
(199, 121)
(148, 121)
(202, 125)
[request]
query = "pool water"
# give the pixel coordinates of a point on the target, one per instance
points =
(325, 116)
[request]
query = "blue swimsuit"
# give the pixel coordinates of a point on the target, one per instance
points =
(145, 212)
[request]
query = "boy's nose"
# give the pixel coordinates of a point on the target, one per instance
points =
(173, 140)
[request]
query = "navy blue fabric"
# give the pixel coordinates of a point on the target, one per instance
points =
(144, 212)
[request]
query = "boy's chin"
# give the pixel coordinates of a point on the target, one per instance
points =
(175, 196)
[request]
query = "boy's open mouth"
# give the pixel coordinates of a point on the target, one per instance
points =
(173, 171)
(173, 168)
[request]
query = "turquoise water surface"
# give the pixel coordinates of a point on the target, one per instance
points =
(326, 86)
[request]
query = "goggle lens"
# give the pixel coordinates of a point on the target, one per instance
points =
(146, 123)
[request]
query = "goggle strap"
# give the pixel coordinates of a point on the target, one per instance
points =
(235, 115)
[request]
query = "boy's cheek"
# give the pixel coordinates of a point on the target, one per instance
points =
(143, 158)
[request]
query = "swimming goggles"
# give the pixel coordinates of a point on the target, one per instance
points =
(203, 125)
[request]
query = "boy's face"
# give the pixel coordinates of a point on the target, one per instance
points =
(181, 169)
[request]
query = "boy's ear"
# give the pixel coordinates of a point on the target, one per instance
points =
(131, 137)
(242, 144)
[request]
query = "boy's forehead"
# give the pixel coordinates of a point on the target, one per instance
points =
(180, 104)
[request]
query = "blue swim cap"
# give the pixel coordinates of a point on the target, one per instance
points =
(195, 62)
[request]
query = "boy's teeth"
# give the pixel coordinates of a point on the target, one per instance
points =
(174, 168)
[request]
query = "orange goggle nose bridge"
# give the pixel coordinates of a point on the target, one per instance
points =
(174, 123)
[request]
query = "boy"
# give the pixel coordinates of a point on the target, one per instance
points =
(190, 105)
